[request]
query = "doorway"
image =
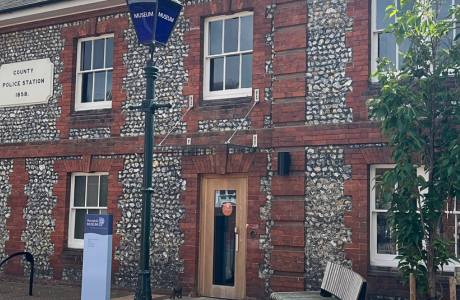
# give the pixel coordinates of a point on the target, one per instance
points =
(222, 255)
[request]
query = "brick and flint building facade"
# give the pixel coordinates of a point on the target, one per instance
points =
(81, 149)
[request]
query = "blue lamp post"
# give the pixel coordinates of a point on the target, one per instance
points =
(154, 21)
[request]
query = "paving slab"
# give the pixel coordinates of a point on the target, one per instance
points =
(19, 290)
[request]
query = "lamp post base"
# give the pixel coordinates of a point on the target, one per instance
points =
(143, 291)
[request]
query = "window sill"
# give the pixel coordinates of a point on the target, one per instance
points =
(72, 252)
(225, 102)
(102, 105)
(392, 272)
(102, 111)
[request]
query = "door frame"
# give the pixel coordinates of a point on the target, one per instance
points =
(205, 287)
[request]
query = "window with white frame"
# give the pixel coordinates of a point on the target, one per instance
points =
(228, 46)
(452, 228)
(384, 45)
(94, 73)
(383, 246)
(88, 195)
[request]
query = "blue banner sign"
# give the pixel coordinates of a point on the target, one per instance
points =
(97, 257)
(144, 13)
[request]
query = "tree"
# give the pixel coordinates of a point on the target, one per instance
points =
(420, 113)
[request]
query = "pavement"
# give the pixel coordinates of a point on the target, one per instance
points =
(19, 290)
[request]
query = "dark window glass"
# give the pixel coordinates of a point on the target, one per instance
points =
(246, 71)
(79, 224)
(246, 34)
(99, 87)
(385, 242)
(387, 46)
(217, 74)
(109, 53)
(108, 93)
(79, 191)
(224, 239)
(231, 35)
(104, 191)
(381, 22)
(98, 56)
(403, 48)
(86, 51)
(379, 203)
(87, 88)
(232, 72)
(215, 37)
(93, 191)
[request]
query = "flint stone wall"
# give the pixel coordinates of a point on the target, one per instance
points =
(38, 213)
(166, 236)
(6, 167)
(327, 54)
(169, 84)
(224, 124)
(32, 122)
(325, 204)
(89, 133)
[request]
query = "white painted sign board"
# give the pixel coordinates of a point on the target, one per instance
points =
(26, 83)
(97, 257)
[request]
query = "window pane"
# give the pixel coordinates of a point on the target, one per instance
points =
(93, 211)
(445, 42)
(408, 6)
(232, 72)
(79, 225)
(87, 88)
(109, 53)
(246, 33)
(380, 13)
(215, 37)
(231, 35)
(217, 74)
(445, 6)
(385, 243)
(379, 203)
(93, 191)
(224, 237)
(86, 51)
(403, 48)
(387, 46)
(99, 87)
(103, 211)
(246, 71)
(79, 191)
(104, 191)
(98, 57)
(108, 93)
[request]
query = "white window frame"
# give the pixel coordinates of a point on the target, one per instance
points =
(375, 38)
(71, 241)
(79, 106)
(224, 94)
(376, 259)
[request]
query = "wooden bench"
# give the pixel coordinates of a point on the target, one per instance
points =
(338, 281)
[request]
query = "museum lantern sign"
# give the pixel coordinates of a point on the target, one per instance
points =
(154, 20)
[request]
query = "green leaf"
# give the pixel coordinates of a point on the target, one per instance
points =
(450, 170)
(392, 179)
(445, 162)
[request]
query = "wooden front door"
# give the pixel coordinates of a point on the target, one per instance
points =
(223, 216)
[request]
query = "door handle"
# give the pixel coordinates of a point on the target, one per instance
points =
(237, 242)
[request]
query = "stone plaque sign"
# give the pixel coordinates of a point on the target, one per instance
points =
(26, 83)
